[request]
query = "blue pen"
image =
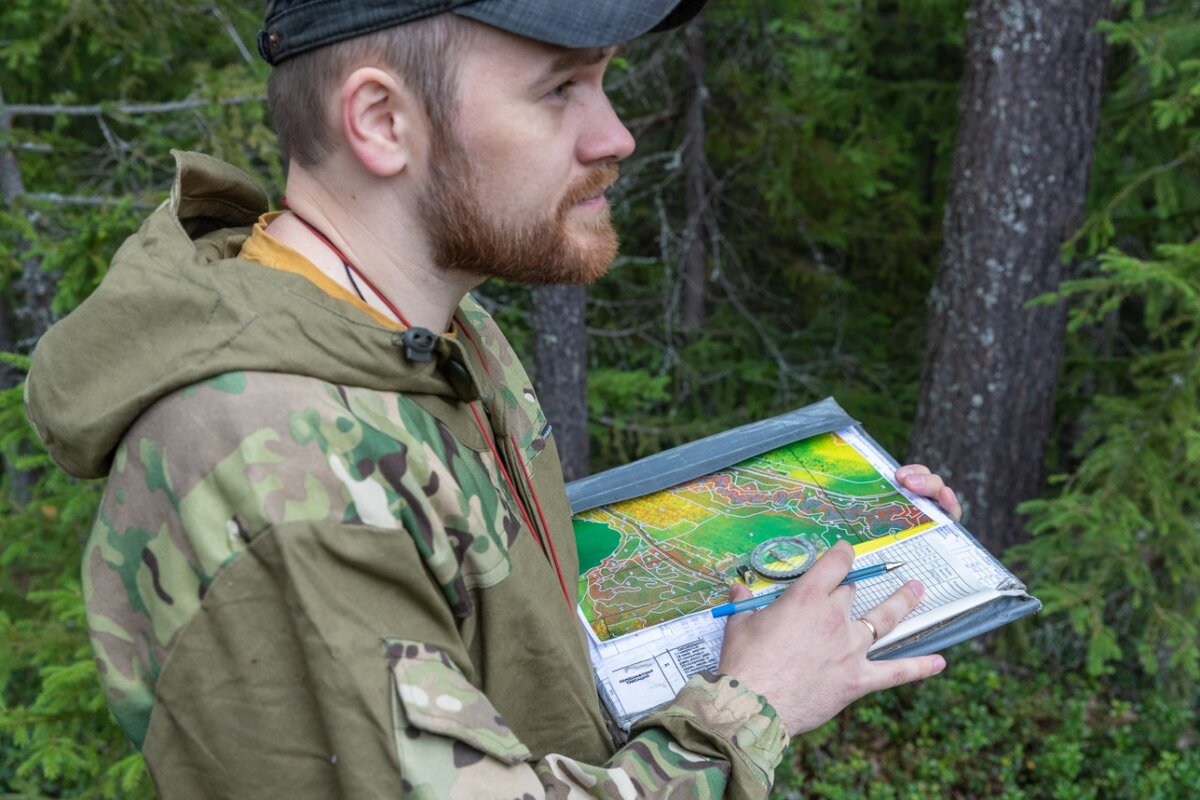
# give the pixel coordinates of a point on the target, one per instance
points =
(763, 600)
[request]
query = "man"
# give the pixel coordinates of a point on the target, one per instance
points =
(333, 558)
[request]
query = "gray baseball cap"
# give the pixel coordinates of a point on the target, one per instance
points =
(292, 27)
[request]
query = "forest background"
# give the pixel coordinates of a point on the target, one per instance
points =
(973, 223)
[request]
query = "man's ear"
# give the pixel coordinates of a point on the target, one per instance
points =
(381, 120)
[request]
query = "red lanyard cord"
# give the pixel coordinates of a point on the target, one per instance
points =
(542, 515)
(528, 481)
(521, 506)
(351, 270)
(507, 479)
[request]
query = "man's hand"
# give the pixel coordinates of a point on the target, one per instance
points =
(808, 656)
(919, 480)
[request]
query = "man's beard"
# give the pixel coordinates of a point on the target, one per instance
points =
(464, 237)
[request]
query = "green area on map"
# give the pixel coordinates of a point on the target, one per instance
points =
(657, 557)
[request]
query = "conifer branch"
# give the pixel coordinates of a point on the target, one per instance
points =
(84, 200)
(131, 109)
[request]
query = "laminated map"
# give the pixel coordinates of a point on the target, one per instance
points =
(661, 540)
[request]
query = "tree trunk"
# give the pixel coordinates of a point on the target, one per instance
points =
(1029, 107)
(11, 187)
(25, 312)
(695, 252)
(560, 364)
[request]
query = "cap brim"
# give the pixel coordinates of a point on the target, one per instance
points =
(582, 24)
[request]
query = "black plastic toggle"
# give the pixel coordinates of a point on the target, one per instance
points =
(418, 344)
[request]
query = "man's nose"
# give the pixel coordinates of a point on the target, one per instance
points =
(605, 137)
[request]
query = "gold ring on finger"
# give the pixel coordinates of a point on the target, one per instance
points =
(871, 628)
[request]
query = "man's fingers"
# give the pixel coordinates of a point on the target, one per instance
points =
(739, 591)
(872, 631)
(908, 470)
(888, 674)
(885, 616)
(830, 569)
(917, 478)
(949, 501)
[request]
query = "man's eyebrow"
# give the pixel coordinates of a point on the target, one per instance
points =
(582, 57)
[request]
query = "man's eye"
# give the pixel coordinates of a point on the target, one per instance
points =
(563, 90)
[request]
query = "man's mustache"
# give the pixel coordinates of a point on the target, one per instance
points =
(594, 183)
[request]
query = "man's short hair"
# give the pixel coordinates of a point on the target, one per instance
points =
(421, 53)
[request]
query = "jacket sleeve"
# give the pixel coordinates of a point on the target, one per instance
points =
(716, 740)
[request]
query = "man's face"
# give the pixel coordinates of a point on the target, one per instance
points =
(516, 188)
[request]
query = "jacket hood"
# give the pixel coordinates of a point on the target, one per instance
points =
(178, 306)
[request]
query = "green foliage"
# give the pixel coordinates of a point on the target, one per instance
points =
(90, 177)
(1144, 188)
(1133, 502)
(980, 731)
(829, 126)
(88, 181)
(56, 735)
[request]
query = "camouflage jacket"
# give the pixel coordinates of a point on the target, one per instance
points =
(323, 570)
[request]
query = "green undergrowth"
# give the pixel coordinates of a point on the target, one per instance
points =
(981, 729)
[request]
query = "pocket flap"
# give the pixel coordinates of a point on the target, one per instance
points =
(435, 697)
